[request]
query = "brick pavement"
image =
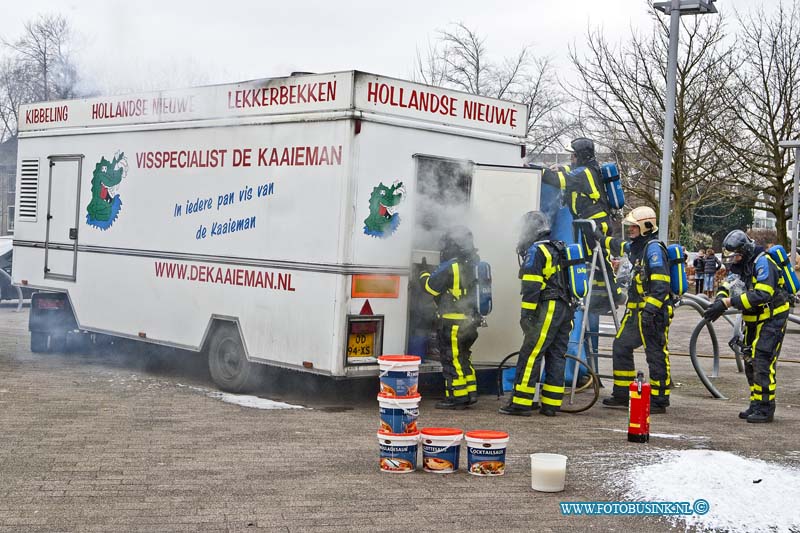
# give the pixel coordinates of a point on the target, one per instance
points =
(101, 442)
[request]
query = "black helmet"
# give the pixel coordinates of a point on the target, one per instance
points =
(456, 243)
(535, 226)
(738, 242)
(583, 149)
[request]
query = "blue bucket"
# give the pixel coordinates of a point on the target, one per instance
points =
(399, 415)
(398, 453)
(486, 452)
(399, 375)
(441, 448)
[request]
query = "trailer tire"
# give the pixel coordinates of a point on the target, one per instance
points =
(227, 362)
(38, 342)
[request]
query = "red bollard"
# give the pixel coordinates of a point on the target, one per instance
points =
(639, 410)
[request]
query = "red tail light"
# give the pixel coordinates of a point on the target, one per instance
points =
(43, 303)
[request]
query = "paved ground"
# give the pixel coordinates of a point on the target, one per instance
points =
(102, 442)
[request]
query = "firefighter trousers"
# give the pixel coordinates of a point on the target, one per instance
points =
(762, 346)
(655, 337)
(546, 334)
(599, 302)
(456, 338)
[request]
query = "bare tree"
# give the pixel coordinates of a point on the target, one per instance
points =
(13, 92)
(459, 59)
(622, 95)
(38, 67)
(764, 101)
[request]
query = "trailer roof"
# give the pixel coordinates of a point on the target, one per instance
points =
(298, 94)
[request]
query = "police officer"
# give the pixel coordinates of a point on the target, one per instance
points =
(546, 318)
(765, 309)
(648, 314)
(454, 287)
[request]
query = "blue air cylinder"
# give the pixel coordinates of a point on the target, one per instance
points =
(613, 185)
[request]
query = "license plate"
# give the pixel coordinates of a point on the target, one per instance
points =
(361, 346)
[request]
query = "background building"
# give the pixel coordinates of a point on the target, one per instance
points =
(8, 172)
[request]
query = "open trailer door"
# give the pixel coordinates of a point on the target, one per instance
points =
(498, 199)
(63, 213)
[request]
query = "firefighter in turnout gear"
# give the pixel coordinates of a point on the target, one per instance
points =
(585, 196)
(453, 285)
(648, 314)
(765, 310)
(546, 320)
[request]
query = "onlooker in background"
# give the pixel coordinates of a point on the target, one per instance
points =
(711, 265)
(699, 270)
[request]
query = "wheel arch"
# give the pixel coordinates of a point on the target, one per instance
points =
(214, 322)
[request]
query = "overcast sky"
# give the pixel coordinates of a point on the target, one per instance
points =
(149, 44)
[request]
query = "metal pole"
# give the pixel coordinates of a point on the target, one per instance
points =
(794, 205)
(669, 123)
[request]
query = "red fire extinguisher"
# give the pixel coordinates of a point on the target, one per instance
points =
(639, 410)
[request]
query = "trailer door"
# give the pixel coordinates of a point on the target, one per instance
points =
(499, 198)
(61, 242)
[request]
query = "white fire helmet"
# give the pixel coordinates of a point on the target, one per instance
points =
(644, 217)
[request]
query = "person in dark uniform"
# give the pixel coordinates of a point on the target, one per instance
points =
(584, 194)
(454, 287)
(546, 319)
(765, 310)
(583, 186)
(648, 314)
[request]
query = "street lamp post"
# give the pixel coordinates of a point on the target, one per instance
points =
(796, 184)
(673, 8)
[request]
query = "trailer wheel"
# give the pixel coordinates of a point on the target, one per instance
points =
(38, 342)
(227, 362)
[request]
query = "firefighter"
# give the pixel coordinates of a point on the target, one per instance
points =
(648, 314)
(585, 196)
(454, 288)
(583, 185)
(546, 319)
(765, 310)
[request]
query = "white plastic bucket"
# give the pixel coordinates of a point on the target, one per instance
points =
(399, 415)
(441, 448)
(398, 453)
(399, 375)
(486, 452)
(548, 472)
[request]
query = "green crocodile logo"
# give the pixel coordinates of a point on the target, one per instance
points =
(383, 218)
(106, 203)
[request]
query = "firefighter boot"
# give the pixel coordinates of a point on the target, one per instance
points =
(450, 403)
(615, 401)
(472, 398)
(760, 415)
(515, 410)
(548, 410)
(747, 412)
(656, 409)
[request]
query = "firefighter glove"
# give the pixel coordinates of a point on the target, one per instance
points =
(716, 310)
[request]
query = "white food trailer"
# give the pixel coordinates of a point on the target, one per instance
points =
(278, 221)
